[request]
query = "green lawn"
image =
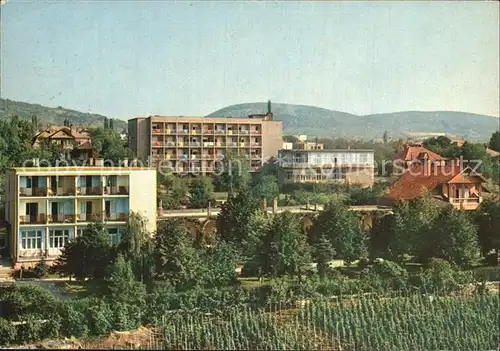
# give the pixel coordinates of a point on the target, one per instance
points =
(252, 282)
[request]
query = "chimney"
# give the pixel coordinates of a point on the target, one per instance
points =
(125, 162)
(99, 162)
(275, 205)
(427, 167)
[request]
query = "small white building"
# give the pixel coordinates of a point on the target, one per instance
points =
(345, 165)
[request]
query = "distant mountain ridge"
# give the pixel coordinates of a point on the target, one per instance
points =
(316, 121)
(300, 119)
(55, 116)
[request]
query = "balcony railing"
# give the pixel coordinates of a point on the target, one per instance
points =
(208, 131)
(220, 144)
(195, 144)
(62, 218)
(255, 132)
(91, 190)
(33, 191)
(61, 192)
(33, 219)
(220, 131)
(465, 200)
(208, 144)
(170, 143)
(157, 131)
(116, 190)
(88, 217)
(255, 144)
(244, 132)
(118, 216)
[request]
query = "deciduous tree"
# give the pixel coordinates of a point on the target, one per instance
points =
(343, 229)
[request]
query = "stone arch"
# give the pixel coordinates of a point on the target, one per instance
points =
(208, 233)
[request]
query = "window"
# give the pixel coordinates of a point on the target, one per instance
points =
(58, 238)
(114, 236)
(31, 239)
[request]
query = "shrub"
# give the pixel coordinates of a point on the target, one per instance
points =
(439, 275)
(74, 318)
(386, 275)
(486, 274)
(19, 300)
(8, 332)
(30, 330)
(41, 268)
(100, 317)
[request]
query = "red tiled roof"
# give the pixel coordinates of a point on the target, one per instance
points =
(413, 153)
(417, 180)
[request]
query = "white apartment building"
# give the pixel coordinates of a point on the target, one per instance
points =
(48, 206)
(347, 165)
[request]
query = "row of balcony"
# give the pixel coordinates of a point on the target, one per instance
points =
(204, 144)
(72, 218)
(198, 157)
(69, 191)
(205, 132)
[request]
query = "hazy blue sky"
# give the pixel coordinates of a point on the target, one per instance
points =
(129, 58)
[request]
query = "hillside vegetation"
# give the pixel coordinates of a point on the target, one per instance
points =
(56, 116)
(311, 120)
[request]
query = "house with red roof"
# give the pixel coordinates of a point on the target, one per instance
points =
(77, 144)
(415, 153)
(450, 182)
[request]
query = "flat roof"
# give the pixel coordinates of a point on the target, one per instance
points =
(328, 150)
(158, 118)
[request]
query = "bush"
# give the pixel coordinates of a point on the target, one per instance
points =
(439, 276)
(8, 332)
(100, 317)
(486, 274)
(19, 300)
(74, 318)
(41, 268)
(31, 330)
(386, 275)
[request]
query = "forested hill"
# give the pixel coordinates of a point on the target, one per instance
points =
(311, 120)
(56, 116)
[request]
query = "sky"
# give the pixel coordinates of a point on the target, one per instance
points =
(125, 59)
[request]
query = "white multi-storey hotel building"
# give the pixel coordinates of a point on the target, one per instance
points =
(48, 206)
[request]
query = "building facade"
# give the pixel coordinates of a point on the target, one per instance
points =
(46, 207)
(196, 144)
(449, 182)
(350, 166)
(414, 154)
(76, 142)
